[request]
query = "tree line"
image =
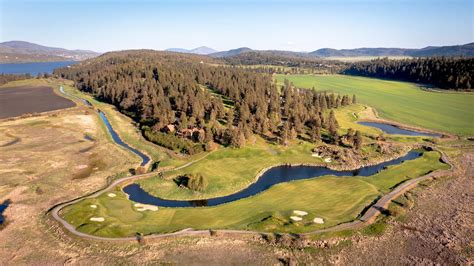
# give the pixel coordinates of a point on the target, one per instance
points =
(442, 72)
(290, 63)
(5, 78)
(185, 102)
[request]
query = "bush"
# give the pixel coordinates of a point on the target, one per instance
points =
(140, 170)
(197, 182)
(193, 182)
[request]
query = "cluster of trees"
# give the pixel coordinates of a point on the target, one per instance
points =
(442, 72)
(159, 89)
(281, 63)
(352, 138)
(5, 78)
(172, 142)
(196, 182)
(271, 69)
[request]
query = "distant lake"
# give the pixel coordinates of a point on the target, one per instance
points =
(33, 68)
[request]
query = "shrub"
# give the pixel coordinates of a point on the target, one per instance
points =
(193, 182)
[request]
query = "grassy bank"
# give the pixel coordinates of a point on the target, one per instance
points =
(400, 101)
(129, 132)
(229, 170)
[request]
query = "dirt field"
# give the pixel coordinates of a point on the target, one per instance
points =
(16, 101)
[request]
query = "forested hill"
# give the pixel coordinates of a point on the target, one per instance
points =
(20, 51)
(441, 72)
(185, 102)
(466, 50)
(429, 51)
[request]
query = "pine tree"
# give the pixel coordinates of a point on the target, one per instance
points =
(284, 133)
(357, 140)
(333, 125)
(293, 133)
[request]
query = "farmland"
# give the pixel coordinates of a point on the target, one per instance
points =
(20, 100)
(400, 101)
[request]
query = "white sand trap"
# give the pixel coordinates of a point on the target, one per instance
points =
(328, 160)
(93, 206)
(111, 195)
(296, 218)
(145, 207)
(97, 219)
(318, 220)
(300, 213)
(316, 155)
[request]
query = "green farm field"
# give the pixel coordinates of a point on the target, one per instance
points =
(268, 211)
(400, 101)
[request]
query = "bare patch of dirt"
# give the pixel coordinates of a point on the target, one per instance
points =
(16, 101)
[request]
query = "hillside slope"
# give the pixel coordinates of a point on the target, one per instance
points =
(454, 50)
(20, 51)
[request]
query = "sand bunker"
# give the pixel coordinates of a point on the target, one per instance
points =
(316, 155)
(296, 218)
(93, 206)
(97, 219)
(145, 207)
(300, 213)
(111, 195)
(328, 160)
(318, 220)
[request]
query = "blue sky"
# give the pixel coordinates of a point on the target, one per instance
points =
(297, 25)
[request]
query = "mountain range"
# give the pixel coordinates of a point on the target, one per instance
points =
(454, 50)
(203, 50)
(20, 51)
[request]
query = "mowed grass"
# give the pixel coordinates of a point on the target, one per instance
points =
(400, 101)
(335, 199)
(229, 170)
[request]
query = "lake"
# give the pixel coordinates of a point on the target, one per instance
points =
(33, 68)
(390, 129)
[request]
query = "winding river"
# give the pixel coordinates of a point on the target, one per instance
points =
(110, 129)
(118, 140)
(271, 177)
(391, 129)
